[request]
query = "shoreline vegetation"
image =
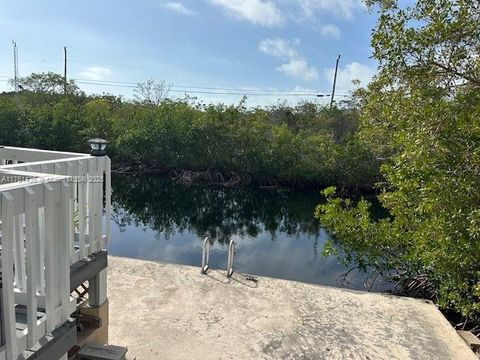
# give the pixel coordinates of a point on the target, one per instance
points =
(306, 145)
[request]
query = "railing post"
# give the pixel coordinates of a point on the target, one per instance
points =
(31, 223)
(58, 239)
(82, 203)
(40, 250)
(66, 232)
(20, 277)
(8, 301)
(98, 200)
(50, 280)
(91, 205)
(71, 212)
(108, 198)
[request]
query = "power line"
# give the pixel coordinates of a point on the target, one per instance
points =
(310, 92)
(175, 89)
(242, 90)
(207, 92)
(218, 90)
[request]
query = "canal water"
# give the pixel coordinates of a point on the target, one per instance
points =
(275, 232)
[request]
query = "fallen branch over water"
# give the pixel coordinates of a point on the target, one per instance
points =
(134, 168)
(230, 178)
(188, 177)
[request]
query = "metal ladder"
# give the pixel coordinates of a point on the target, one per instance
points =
(206, 256)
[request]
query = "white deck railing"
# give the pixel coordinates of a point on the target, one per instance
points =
(54, 210)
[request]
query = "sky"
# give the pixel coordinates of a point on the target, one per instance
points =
(267, 49)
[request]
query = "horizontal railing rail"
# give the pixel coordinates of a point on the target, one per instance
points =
(16, 154)
(54, 210)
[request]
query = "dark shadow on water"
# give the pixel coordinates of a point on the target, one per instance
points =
(275, 232)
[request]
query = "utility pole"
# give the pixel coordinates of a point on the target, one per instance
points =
(65, 70)
(15, 65)
(334, 81)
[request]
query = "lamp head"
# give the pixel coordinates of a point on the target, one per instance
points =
(97, 146)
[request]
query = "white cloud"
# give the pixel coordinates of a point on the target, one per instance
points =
(95, 73)
(345, 75)
(330, 30)
(299, 69)
(342, 8)
(296, 66)
(279, 48)
(260, 12)
(178, 7)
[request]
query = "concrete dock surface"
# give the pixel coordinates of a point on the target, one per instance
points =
(167, 311)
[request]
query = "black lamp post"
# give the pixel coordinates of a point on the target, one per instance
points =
(98, 146)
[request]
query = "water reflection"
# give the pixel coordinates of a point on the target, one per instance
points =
(275, 231)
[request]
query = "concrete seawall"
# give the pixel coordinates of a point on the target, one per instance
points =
(166, 311)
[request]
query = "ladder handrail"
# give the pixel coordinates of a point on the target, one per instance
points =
(205, 255)
(231, 255)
